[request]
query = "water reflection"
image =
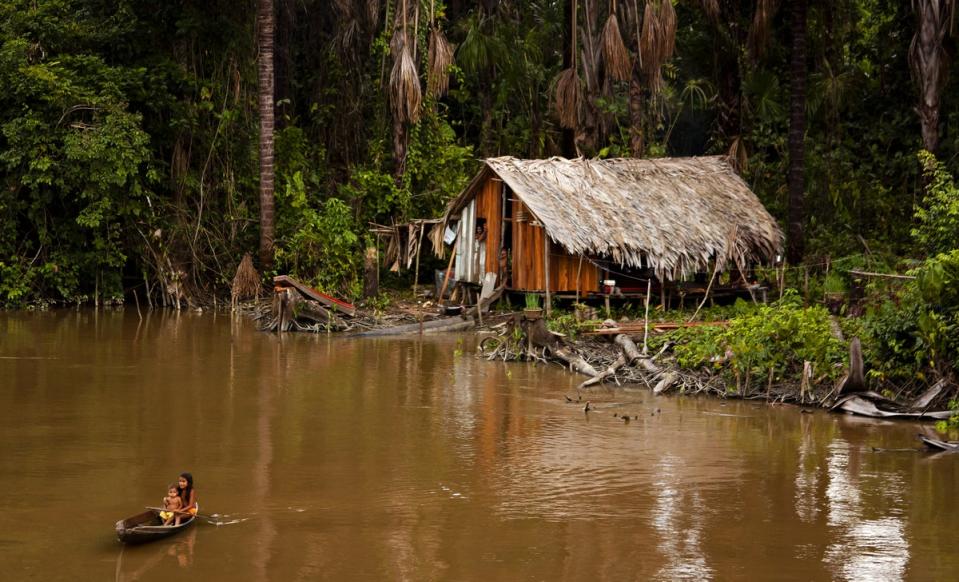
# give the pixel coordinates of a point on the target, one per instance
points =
(158, 560)
(409, 459)
(864, 548)
(678, 518)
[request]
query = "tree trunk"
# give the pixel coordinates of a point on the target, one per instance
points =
(797, 133)
(400, 144)
(637, 139)
(568, 135)
(265, 90)
(283, 61)
(929, 62)
(729, 93)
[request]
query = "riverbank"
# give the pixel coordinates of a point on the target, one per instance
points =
(784, 352)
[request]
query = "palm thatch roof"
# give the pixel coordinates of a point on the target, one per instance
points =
(674, 215)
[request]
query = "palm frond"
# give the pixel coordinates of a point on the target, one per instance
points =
(405, 93)
(618, 64)
(658, 40)
(737, 155)
(440, 58)
(568, 98)
(246, 281)
(711, 8)
(761, 27)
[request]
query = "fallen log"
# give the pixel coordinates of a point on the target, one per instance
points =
(629, 348)
(939, 445)
(664, 384)
(446, 324)
(574, 360)
(601, 377)
(636, 328)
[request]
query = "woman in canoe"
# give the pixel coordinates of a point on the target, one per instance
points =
(187, 495)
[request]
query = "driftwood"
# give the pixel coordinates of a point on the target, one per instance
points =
(574, 360)
(666, 382)
(611, 370)
(630, 350)
(484, 304)
(284, 281)
(939, 445)
(289, 306)
(437, 325)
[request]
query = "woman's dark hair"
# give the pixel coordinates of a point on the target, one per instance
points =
(185, 492)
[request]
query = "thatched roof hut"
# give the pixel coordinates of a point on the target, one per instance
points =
(673, 215)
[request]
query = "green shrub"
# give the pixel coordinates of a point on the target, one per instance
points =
(938, 215)
(780, 336)
(319, 245)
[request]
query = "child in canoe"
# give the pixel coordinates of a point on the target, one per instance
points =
(187, 495)
(171, 503)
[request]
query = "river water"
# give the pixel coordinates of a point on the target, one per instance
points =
(328, 458)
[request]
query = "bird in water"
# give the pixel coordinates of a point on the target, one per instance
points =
(568, 399)
(587, 408)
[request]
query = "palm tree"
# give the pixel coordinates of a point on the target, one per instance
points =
(405, 92)
(929, 62)
(265, 91)
(795, 247)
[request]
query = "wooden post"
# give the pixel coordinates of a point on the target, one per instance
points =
(649, 289)
(579, 271)
(419, 249)
(549, 303)
(449, 268)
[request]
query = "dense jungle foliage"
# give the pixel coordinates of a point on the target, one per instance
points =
(129, 133)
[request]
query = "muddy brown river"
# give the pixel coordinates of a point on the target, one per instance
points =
(326, 458)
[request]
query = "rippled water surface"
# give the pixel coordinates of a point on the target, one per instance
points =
(329, 458)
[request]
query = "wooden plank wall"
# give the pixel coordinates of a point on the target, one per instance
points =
(489, 205)
(528, 273)
(528, 268)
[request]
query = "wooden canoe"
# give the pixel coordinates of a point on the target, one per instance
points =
(147, 527)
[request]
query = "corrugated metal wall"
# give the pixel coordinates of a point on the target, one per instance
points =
(465, 269)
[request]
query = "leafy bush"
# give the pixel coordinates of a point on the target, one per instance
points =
(938, 215)
(918, 330)
(319, 245)
(780, 336)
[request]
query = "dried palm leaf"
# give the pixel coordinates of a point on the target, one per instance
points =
(405, 92)
(737, 156)
(618, 63)
(658, 40)
(568, 97)
(246, 281)
(440, 57)
(761, 27)
(711, 8)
